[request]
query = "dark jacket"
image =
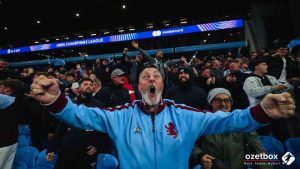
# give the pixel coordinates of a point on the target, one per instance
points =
(69, 138)
(7, 73)
(113, 95)
(238, 95)
(103, 73)
(228, 149)
(275, 64)
(189, 94)
(41, 123)
(10, 118)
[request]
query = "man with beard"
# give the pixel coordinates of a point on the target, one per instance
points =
(186, 92)
(222, 151)
(7, 73)
(78, 149)
(155, 132)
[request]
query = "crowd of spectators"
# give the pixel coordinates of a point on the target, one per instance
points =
(113, 82)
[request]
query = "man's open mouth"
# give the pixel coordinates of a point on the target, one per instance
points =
(152, 90)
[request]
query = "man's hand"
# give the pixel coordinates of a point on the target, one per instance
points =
(44, 90)
(278, 105)
(91, 150)
(211, 80)
(135, 44)
(279, 87)
(206, 161)
(230, 78)
(125, 50)
(50, 156)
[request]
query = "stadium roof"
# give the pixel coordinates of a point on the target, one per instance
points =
(26, 22)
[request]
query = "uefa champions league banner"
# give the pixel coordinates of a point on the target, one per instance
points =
(129, 36)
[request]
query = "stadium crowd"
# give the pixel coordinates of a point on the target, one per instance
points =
(209, 84)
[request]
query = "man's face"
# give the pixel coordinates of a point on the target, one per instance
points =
(159, 54)
(98, 61)
(253, 55)
(76, 91)
(104, 62)
(5, 90)
(245, 66)
(199, 61)
(96, 86)
(151, 86)
(2, 65)
(183, 76)
(92, 76)
(234, 67)
(138, 58)
(216, 65)
(262, 68)
(85, 87)
(205, 73)
(70, 78)
(221, 102)
(282, 51)
(118, 80)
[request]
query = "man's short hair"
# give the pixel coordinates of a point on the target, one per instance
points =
(85, 79)
(3, 60)
(148, 66)
(256, 61)
(97, 81)
(71, 74)
(14, 84)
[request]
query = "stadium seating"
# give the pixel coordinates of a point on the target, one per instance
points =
(24, 138)
(26, 155)
(296, 164)
(272, 145)
(292, 145)
(42, 163)
(24, 130)
(107, 161)
(19, 165)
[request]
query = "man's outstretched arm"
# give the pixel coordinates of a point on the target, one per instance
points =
(46, 91)
(6, 101)
(273, 106)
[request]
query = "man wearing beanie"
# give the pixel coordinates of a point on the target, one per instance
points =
(224, 151)
(186, 91)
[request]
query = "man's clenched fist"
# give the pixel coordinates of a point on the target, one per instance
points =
(278, 105)
(44, 90)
